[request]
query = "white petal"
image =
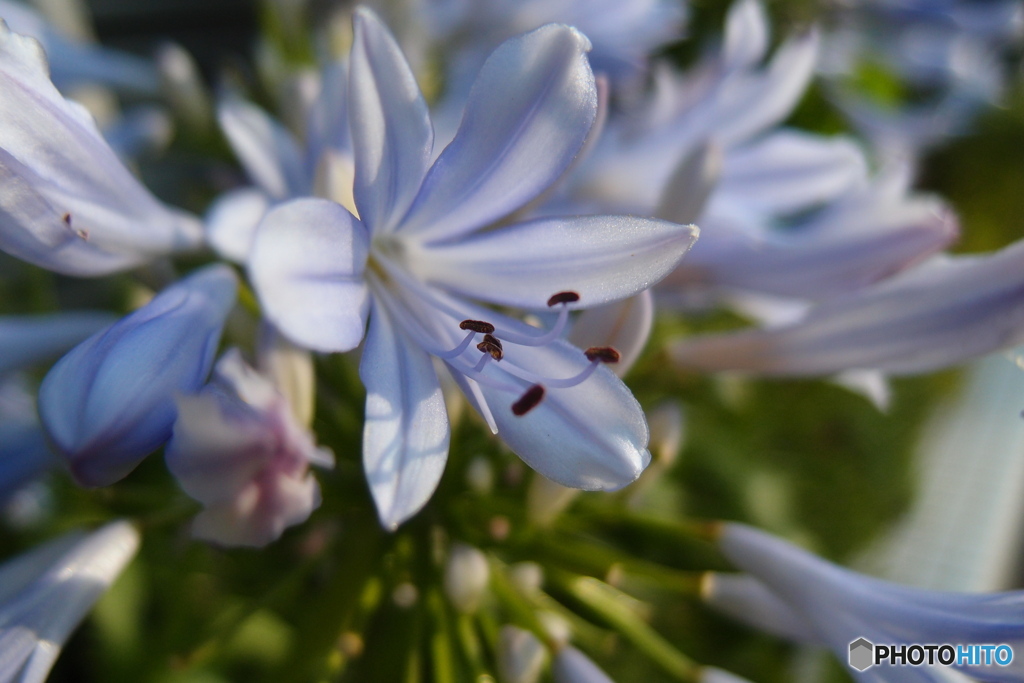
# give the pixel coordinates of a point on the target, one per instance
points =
(306, 265)
(391, 132)
(625, 325)
(601, 258)
(751, 103)
(66, 201)
(941, 313)
(48, 591)
(592, 436)
(817, 264)
(687, 190)
(406, 435)
(746, 34)
(789, 171)
(266, 149)
(527, 117)
(231, 222)
(747, 600)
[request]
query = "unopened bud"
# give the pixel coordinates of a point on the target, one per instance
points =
(545, 500)
(572, 666)
(527, 577)
(521, 656)
(480, 475)
(465, 577)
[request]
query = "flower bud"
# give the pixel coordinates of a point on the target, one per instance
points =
(521, 656)
(545, 500)
(110, 402)
(238, 449)
(465, 577)
(572, 666)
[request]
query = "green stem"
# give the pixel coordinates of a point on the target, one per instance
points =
(620, 612)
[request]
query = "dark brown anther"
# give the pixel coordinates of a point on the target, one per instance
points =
(477, 326)
(67, 219)
(603, 354)
(563, 298)
(491, 345)
(528, 401)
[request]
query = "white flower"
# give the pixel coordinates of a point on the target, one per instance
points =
(792, 593)
(418, 254)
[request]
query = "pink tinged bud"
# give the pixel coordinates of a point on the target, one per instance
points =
(238, 450)
(109, 402)
(466, 576)
(521, 656)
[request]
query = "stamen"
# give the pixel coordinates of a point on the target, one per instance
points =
(563, 298)
(477, 326)
(67, 219)
(554, 383)
(602, 354)
(491, 345)
(529, 400)
(457, 351)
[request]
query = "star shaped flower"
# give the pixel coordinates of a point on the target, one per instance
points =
(428, 249)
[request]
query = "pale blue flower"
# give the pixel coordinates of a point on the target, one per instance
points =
(239, 451)
(67, 203)
(942, 312)
(800, 596)
(418, 255)
(110, 402)
(46, 592)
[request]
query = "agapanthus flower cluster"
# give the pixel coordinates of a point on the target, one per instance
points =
(385, 268)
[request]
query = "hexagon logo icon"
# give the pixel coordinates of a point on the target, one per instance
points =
(862, 654)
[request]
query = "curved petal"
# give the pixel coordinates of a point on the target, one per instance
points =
(267, 150)
(815, 265)
(625, 325)
(306, 266)
(66, 201)
(943, 312)
(751, 103)
(48, 591)
(527, 117)
(591, 436)
(231, 222)
(746, 34)
(601, 258)
(406, 435)
(391, 132)
(789, 171)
